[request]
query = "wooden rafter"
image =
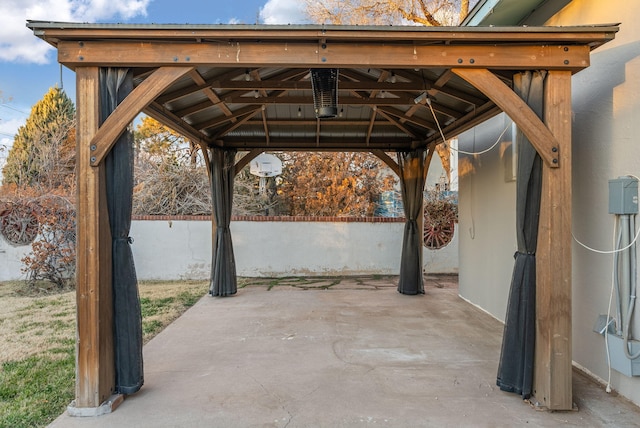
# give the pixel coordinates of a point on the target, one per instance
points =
(397, 123)
(166, 117)
(210, 93)
(406, 117)
(188, 90)
(240, 120)
(295, 100)
(265, 125)
(372, 122)
(224, 119)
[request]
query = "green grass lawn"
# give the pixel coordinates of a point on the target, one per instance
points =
(37, 344)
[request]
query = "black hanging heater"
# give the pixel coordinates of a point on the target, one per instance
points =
(324, 82)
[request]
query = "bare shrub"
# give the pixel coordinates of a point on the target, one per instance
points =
(53, 252)
(171, 185)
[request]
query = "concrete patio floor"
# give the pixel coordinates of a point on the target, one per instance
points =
(356, 354)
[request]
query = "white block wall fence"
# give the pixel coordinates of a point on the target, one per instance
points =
(179, 247)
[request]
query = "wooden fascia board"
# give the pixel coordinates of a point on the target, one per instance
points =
(527, 121)
(599, 34)
(136, 101)
(289, 54)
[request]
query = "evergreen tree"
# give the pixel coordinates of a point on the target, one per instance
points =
(43, 149)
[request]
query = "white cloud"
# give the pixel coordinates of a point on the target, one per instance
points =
(17, 43)
(283, 12)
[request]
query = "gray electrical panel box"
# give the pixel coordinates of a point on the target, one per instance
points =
(623, 195)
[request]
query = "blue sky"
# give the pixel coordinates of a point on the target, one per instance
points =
(28, 66)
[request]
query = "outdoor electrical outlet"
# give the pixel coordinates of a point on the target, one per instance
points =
(623, 196)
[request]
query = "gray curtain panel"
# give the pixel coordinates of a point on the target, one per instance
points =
(515, 371)
(223, 264)
(412, 179)
(115, 85)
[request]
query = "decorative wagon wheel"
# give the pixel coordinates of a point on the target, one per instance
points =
(439, 224)
(18, 224)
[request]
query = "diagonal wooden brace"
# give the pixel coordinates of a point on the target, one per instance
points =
(527, 121)
(124, 114)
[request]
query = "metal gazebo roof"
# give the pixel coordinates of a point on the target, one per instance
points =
(250, 86)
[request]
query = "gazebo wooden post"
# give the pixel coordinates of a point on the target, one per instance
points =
(552, 140)
(95, 369)
(553, 358)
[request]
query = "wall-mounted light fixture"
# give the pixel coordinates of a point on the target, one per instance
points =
(324, 82)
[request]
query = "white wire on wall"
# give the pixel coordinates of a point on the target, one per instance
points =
(444, 140)
(613, 283)
(618, 250)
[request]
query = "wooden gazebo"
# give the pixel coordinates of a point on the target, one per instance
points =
(248, 88)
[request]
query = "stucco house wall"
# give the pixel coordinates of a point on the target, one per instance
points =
(606, 129)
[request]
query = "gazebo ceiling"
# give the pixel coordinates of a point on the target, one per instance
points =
(249, 87)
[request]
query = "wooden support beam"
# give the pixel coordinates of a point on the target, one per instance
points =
(553, 360)
(527, 121)
(135, 102)
(401, 99)
(95, 367)
(248, 53)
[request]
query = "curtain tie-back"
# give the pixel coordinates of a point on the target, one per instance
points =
(128, 239)
(524, 253)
